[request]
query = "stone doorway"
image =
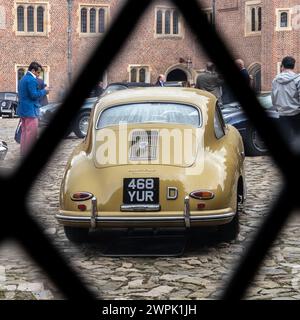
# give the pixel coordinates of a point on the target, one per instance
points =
(255, 71)
(177, 75)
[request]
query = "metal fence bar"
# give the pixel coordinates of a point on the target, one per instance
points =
(103, 55)
(54, 264)
(258, 249)
(215, 48)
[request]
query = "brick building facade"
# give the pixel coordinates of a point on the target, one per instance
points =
(60, 34)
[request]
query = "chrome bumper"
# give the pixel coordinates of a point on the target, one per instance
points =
(186, 219)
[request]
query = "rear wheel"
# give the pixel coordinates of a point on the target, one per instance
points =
(76, 235)
(82, 124)
(230, 231)
(253, 144)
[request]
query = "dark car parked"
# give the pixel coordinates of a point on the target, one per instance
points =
(80, 125)
(3, 149)
(8, 103)
(233, 114)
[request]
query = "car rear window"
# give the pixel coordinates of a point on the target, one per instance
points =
(8, 96)
(150, 113)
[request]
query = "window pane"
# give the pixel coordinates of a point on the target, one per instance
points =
(175, 22)
(20, 14)
(159, 22)
(167, 22)
(142, 75)
(83, 20)
(101, 20)
(93, 20)
(40, 19)
(253, 25)
(21, 73)
(284, 20)
(259, 19)
(30, 19)
(219, 129)
(133, 75)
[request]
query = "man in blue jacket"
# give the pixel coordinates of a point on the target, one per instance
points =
(29, 103)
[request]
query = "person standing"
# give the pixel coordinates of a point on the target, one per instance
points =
(210, 81)
(286, 98)
(28, 107)
(42, 85)
(244, 72)
(160, 81)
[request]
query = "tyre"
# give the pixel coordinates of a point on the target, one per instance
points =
(13, 113)
(82, 124)
(230, 231)
(254, 146)
(76, 235)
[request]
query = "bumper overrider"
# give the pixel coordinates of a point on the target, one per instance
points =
(187, 218)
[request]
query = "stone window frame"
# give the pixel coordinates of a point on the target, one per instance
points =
(278, 67)
(138, 68)
(89, 7)
(2, 17)
(46, 73)
(164, 9)
(278, 13)
(46, 18)
(209, 14)
(249, 6)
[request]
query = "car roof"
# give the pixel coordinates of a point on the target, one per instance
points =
(189, 96)
(131, 84)
(11, 92)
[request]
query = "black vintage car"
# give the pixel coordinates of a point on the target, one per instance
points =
(8, 103)
(80, 125)
(3, 149)
(233, 114)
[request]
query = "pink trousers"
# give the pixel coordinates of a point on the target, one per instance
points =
(29, 133)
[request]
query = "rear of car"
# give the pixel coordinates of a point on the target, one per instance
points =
(151, 159)
(8, 103)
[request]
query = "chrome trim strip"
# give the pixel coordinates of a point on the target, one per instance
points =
(204, 218)
(186, 212)
(94, 213)
(140, 207)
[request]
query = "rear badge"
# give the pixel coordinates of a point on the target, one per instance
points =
(172, 193)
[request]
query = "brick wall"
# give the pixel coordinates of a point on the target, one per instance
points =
(143, 47)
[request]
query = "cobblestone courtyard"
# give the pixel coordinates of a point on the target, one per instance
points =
(199, 274)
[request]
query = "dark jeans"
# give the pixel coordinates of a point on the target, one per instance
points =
(290, 127)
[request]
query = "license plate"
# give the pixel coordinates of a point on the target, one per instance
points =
(141, 191)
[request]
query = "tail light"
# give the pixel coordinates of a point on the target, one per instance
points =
(202, 195)
(81, 196)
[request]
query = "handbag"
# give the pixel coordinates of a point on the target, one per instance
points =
(18, 132)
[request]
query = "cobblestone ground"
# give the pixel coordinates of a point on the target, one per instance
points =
(200, 273)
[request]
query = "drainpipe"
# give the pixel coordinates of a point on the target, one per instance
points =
(69, 31)
(214, 13)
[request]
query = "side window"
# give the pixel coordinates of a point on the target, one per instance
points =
(219, 123)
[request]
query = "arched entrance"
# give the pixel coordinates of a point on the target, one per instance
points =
(255, 72)
(177, 75)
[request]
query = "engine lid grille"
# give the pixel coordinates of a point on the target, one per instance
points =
(143, 145)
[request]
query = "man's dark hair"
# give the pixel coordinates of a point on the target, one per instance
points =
(34, 66)
(210, 66)
(288, 62)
